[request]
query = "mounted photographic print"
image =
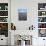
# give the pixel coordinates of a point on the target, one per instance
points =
(22, 14)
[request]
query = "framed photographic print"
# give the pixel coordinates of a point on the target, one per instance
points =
(22, 14)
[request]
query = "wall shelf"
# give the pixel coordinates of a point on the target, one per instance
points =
(3, 22)
(3, 10)
(41, 22)
(3, 16)
(42, 16)
(41, 28)
(41, 10)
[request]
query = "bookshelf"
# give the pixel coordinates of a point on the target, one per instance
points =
(42, 19)
(4, 19)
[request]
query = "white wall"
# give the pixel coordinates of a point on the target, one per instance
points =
(32, 6)
(31, 14)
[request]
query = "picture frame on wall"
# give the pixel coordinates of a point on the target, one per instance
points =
(22, 14)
